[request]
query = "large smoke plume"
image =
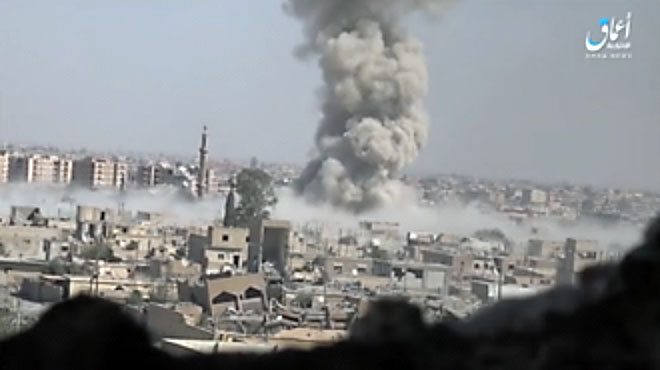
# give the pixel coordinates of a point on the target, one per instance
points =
(374, 122)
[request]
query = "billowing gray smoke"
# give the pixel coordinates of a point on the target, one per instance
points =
(374, 120)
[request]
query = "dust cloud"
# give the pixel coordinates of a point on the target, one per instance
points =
(456, 219)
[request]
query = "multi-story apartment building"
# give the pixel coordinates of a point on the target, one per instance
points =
(211, 182)
(4, 166)
(150, 175)
(39, 169)
(63, 170)
(99, 173)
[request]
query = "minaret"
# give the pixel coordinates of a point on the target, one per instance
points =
(122, 193)
(230, 207)
(201, 177)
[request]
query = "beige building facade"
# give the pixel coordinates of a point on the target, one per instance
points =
(99, 173)
(221, 249)
(39, 169)
(4, 166)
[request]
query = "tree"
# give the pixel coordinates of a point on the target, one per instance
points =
(56, 267)
(257, 194)
(135, 298)
(254, 162)
(99, 251)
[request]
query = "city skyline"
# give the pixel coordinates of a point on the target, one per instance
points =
(192, 158)
(347, 179)
(157, 74)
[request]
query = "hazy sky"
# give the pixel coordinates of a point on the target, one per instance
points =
(512, 93)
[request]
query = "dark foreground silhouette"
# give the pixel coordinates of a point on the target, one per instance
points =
(609, 320)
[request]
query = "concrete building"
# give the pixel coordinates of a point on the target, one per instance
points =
(345, 267)
(178, 322)
(150, 175)
(578, 254)
(41, 289)
(99, 173)
(544, 248)
(63, 170)
(421, 276)
(57, 249)
(210, 185)
(174, 269)
(545, 266)
(534, 197)
(94, 223)
(40, 169)
(527, 277)
(491, 266)
(380, 230)
(269, 242)
(116, 289)
(218, 295)
(459, 262)
(4, 166)
(21, 169)
(423, 238)
(487, 290)
(26, 216)
(221, 249)
(25, 242)
(449, 240)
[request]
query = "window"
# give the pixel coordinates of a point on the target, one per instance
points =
(247, 239)
(338, 269)
(224, 297)
(477, 266)
(221, 256)
(252, 293)
(225, 237)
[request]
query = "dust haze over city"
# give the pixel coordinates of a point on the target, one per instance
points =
(416, 132)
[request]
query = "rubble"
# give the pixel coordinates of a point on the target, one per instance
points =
(609, 319)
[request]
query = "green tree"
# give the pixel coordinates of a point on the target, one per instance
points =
(257, 194)
(135, 298)
(56, 267)
(98, 251)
